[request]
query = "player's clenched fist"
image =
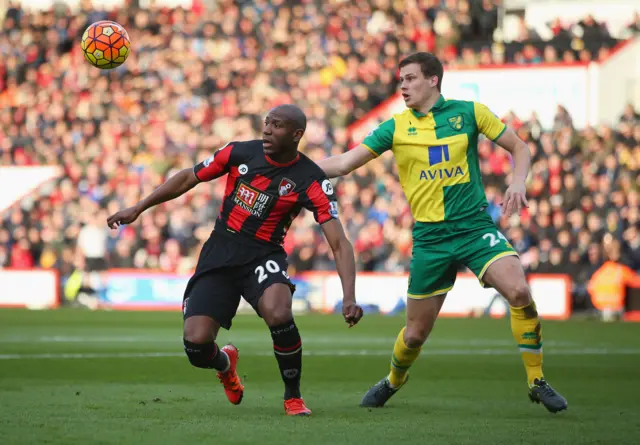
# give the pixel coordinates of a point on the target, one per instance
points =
(352, 313)
(126, 216)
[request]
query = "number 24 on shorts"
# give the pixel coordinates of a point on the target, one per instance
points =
(269, 267)
(493, 241)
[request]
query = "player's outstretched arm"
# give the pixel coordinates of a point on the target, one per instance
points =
(175, 186)
(346, 265)
(515, 196)
(347, 162)
(493, 128)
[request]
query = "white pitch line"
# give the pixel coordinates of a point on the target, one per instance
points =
(308, 339)
(332, 353)
(84, 355)
(77, 339)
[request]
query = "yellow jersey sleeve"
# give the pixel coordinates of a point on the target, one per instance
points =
(381, 139)
(487, 122)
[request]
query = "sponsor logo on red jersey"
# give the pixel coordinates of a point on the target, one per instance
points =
(252, 200)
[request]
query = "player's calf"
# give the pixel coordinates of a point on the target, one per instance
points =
(507, 277)
(224, 360)
(203, 352)
(275, 308)
(421, 317)
(199, 344)
(287, 348)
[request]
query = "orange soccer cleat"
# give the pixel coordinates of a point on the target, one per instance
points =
(232, 385)
(296, 407)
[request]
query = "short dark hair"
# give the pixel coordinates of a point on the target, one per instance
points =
(430, 65)
(293, 114)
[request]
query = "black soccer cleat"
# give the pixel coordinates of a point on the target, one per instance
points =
(542, 392)
(378, 395)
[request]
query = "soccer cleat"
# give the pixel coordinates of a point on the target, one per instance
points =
(296, 407)
(232, 385)
(378, 395)
(542, 392)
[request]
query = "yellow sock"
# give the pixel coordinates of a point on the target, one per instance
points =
(526, 329)
(401, 360)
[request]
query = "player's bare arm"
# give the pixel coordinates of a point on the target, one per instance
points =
(346, 265)
(515, 196)
(347, 162)
(175, 186)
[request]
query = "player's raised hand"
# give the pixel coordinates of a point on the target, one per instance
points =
(126, 216)
(352, 313)
(515, 198)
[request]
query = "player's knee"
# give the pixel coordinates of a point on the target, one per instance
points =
(415, 337)
(519, 295)
(277, 315)
(275, 305)
(196, 334)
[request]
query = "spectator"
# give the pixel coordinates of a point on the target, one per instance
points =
(525, 33)
(592, 29)
(92, 244)
(630, 116)
(608, 284)
(487, 19)
(21, 257)
(632, 247)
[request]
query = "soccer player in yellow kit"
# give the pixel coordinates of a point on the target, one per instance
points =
(435, 142)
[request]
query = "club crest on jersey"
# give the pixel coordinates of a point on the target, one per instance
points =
(286, 186)
(243, 169)
(456, 122)
(254, 201)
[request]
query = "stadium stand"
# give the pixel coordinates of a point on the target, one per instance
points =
(198, 79)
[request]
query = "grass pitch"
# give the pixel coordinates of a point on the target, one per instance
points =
(76, 377)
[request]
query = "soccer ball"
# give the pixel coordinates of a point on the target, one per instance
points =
(106, 44)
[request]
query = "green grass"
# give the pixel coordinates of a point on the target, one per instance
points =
(468, 387)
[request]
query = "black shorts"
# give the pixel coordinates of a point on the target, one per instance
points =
(228, 270)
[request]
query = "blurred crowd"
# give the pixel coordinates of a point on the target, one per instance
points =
(200, 78)
(584, 196)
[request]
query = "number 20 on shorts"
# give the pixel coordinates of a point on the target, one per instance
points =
(269, 267)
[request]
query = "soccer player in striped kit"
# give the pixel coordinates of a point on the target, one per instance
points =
(268, 183)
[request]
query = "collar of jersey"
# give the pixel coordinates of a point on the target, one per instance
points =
(436, 106)
(286, 164)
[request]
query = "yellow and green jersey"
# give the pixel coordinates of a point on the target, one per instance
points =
(437, 157)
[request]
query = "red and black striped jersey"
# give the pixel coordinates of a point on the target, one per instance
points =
(263, 197)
